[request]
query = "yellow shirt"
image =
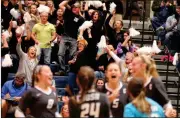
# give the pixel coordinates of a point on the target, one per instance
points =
(44, 34)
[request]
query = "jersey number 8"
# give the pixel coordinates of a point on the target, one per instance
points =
(91, 109)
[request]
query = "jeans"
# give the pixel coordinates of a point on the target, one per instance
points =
(99, 74)
(72, 81)
(167, 40)
(47, 55)
(64, 43)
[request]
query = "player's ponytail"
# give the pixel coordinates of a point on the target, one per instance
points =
(136, 89)
(36, 71)
(85, 80)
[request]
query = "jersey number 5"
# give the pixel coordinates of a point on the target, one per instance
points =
(90, 109)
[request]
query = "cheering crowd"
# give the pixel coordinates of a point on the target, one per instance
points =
(88, 43)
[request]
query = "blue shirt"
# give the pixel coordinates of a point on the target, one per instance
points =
(131, 111)
(13, 91)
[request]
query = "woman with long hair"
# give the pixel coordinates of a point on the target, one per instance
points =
(144, 67)
(89, 102)
(40, 100)
(141, 106)
(115, 90)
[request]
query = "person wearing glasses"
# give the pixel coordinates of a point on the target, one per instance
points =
(11, 93)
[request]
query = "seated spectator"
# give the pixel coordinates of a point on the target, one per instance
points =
(174, 38)
(100, 85)
(158, 21)
(171, 26)
(28, 61)
(65, 111)
(141, 106)
(103, 62)
(41, 100)
(11, 93)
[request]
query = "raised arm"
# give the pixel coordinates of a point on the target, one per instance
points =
(18, 47)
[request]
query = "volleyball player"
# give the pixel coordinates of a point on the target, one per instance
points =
(89, 102)
(141, 106)
(115, 90)
(145, 68)
(41, 100)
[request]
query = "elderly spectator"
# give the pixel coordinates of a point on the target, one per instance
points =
(11, 93)
(44, 33)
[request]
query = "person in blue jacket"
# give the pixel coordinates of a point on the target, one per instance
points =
(141, 106)
(11, 93)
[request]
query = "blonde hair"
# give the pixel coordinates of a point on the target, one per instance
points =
(151, 69)
(137, 90)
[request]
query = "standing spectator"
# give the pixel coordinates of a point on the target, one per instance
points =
(44, 33)
(4, 51)
(41, 100)
(114, 32)
(11, 93)
(28, 61)
(102, 63)
(52, 12)
(83, 105)
(141, 106)
(5, 14)
(59, 25)
(126, 46)
(72, 22)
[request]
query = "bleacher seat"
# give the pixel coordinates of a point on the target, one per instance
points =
(10, 76)
(61, 81)
(54, 67)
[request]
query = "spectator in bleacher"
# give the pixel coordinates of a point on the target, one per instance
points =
(28, 61)
(171, 26)
(52, 12)
(72, 22)
(12, 92)
(4, 51)
(102, 63)
(114, 32)
(174, 39)
(44, 34)
(125, 46)
(5, 14)
(123, 63)
(100, 85)
(141, 106)
(41, 100)
(65, 111)
(88, 97)
(158, 21)
(145, 68)
(115, 90)
(98, 17)
(59, 25)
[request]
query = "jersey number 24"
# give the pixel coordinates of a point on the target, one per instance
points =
(90, 109)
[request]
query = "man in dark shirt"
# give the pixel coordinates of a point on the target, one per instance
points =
(72, 22)
(5, 14)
